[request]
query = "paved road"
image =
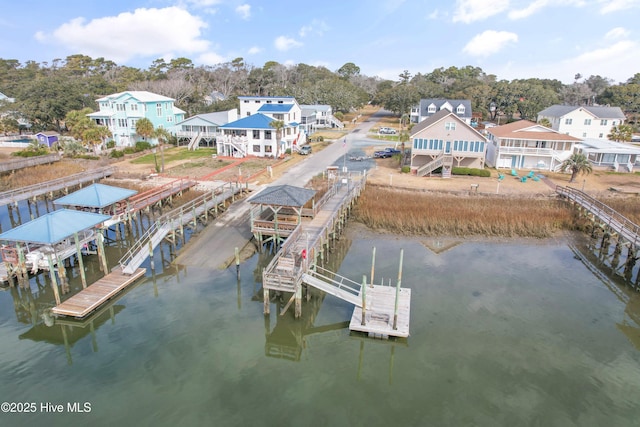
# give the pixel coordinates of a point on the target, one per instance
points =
(214, 247)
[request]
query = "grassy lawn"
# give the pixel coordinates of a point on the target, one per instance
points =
(175, 154)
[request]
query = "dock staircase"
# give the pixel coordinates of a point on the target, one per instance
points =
(443, 160)
(175, 219)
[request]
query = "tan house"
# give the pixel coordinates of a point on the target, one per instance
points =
(445, 140)
(528, 145)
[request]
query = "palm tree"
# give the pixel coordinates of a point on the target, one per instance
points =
(577, 164)
(278, 125)
(144, 128)
(163, 136)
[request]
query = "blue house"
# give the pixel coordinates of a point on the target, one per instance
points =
(47, 138)
(120, 112)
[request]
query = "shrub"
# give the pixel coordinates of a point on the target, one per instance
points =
(142, 145)
(111, 143)
(470, 172)
(405, 169)
(129, 150)
(32, 150)
(116, 154)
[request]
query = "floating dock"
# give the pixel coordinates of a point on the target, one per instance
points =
(93, 296)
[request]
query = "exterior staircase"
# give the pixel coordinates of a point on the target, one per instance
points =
(194, 142)
(338, 286)
(335, 122)
(443, 160)
(145, 245)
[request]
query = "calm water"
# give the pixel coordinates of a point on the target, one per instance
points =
(502, 334)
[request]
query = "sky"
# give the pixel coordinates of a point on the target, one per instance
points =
(512, 39)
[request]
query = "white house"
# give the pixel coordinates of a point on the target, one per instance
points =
(202, 127)
(120, 111)
(586, 121)
(251, 134)
(442, 139)
(429, 107)
(527, 145)
(324, 115)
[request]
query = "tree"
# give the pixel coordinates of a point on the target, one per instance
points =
(95, 136)
(144, 128)
(545, 122)
(77, 122)
(163, 137)
(9, 125)
(577, 164)
(621, 133)
(348, 70)
(278, 125)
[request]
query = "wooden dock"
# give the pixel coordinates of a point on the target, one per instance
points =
(93, 296)
(379, 316)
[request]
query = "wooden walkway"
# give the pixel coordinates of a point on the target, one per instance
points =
(93, 296)
(156, 195)
(609, 217)
(13, 165)
(31, 191)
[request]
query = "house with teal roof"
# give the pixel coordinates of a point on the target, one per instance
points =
(120, 111)
(252, 134)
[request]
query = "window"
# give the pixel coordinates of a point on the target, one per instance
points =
(120, 107)
(613, 122)
(568, 121)
(584, 134)
(600, 135)
(169, 119)
(450, 126)
(133, 123)
(280, 102)
(256, 148)
(257, 101)
(431, 109)
(122, 123)
(587, 122)
(256, 135)
(246, 101)
(159, 110)
(134, 107)
(267, 134)
(248, 113)
(460, 109)
(269, 101)
(603, 122)
(267, 149)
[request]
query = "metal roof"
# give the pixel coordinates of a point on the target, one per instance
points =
(139, 95)
(53, 227)
(95, 196)
(254, 121)
(283, 195)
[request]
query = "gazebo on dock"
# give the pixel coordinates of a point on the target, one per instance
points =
(278, 210)
(47, 241)
(99, 198)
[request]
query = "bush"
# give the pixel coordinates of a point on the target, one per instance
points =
(111, 143)
(32, 150)
(116, 154)
(129, 150)
(406, 169)
(142, 145)
(470, 172)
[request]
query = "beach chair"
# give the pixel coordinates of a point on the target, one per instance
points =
(531, 174)
(523, 179)
(513, 172)
(500, 177)
(536, 178)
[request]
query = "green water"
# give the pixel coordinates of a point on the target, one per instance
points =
(512, 333)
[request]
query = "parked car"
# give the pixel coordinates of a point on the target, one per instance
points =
(387, 152)
(305, 149)
(387, 131)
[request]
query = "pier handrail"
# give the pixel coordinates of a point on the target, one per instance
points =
(15, 164)
(614, 219)
(170, 218)
(54, 184)
(350, 286)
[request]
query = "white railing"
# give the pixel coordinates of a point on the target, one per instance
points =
(191, 134)
(548, 152)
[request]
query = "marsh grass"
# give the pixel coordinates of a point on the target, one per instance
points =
(418, 213)
(38, 174)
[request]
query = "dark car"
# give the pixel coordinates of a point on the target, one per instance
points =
(387, 152)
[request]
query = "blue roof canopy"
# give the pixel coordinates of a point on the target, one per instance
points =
(53, 227)
(95, 196)
(275, 108)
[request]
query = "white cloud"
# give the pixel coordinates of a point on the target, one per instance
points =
(142, 33)
(211, 58)
(489, 42)
(285, 43)
(437, 14)
(609, 6)
(467, 11)
(617, 33)
(244, 10)
(317, 27)
(532, 8)
(254, 50)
